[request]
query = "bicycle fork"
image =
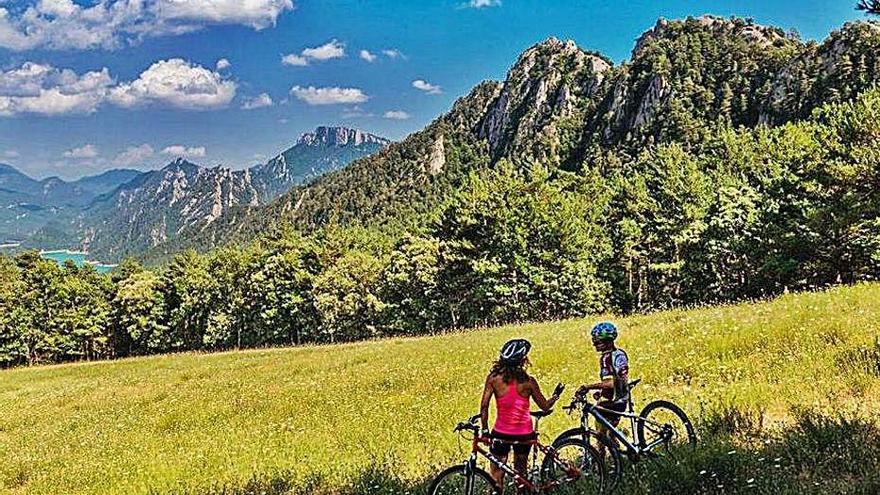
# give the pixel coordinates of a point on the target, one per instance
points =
(469, 467)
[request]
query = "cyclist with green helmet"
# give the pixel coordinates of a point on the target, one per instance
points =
(612, 389)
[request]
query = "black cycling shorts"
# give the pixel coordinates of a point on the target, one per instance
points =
(501, 444)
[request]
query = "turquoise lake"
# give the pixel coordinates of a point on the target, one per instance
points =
(79, 258)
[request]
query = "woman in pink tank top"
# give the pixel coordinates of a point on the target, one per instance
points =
(513, 390)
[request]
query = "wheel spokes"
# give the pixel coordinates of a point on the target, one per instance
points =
(665, 429)
(460, 484)
(576, 470)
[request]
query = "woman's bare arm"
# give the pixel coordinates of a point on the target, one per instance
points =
(488, 391)
(540, 400)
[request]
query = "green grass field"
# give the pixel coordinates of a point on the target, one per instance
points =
(195, 423)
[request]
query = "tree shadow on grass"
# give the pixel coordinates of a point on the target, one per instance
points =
(736, 455)
(816, 454)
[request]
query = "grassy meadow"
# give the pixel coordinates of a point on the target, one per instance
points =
(269, 420)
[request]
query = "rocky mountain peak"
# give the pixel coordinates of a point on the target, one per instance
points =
(339, 136)
(556, 49)
(542, 86)
(182, 164)
(745, 28)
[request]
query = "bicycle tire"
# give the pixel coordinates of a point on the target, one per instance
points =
(659, 405)
(461, 470)
(549, 463)
(613, 469)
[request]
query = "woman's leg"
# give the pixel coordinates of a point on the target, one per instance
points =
(496, 473)
(521, 464)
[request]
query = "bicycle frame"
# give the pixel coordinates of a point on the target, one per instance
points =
(520, 479)
(595, 411)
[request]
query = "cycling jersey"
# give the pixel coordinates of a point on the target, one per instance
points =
(512, 410)
(614, 364)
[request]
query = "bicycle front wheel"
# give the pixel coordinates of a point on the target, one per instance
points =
(608, 450)
(458, 481)
(576, 468)
(663, 425)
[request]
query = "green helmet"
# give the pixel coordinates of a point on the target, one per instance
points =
(604, 331)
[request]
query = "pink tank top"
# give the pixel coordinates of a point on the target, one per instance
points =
(513, 413)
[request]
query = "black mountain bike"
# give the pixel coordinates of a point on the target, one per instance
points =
(660, 429)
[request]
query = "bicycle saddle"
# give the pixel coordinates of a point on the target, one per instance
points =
(633, 383)
(541, 414)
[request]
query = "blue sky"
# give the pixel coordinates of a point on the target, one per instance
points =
(91, 85)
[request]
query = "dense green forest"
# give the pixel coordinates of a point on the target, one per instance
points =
(738, 213)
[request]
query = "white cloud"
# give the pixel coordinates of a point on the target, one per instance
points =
(479, 4)
(260, 101)
(176, 83)
(396, 115)
(184, 151)
(134, 155)
(223, 64)
(330, 50)
(355, 112)
(294, 60)
(86, 151)
(392, 53)
(45, 90)
(42, 89)
(258, 14)
(329, 95)
(110, 24)
(366, 55)
(427, 87)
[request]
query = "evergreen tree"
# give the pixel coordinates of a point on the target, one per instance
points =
(869, 6)
(138, 315)
(187, 289)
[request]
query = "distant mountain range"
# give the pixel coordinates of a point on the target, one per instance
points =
(28, 205)
(123, 212)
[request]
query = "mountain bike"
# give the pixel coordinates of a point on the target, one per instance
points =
(571, 467)
(661, 427)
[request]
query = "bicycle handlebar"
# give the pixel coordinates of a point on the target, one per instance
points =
(470, 424)
(576, 400)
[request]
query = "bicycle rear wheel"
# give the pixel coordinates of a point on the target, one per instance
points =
(457, 481)
(664, 425)
(577, 468)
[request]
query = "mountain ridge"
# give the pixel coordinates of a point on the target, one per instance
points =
(29, 204)
(183, 197)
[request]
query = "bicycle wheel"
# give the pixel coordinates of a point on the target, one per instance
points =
(664, 425)
(455, 481)
(612, 459)
(577, 468)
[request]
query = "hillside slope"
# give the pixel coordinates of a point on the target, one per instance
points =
(182, 423)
